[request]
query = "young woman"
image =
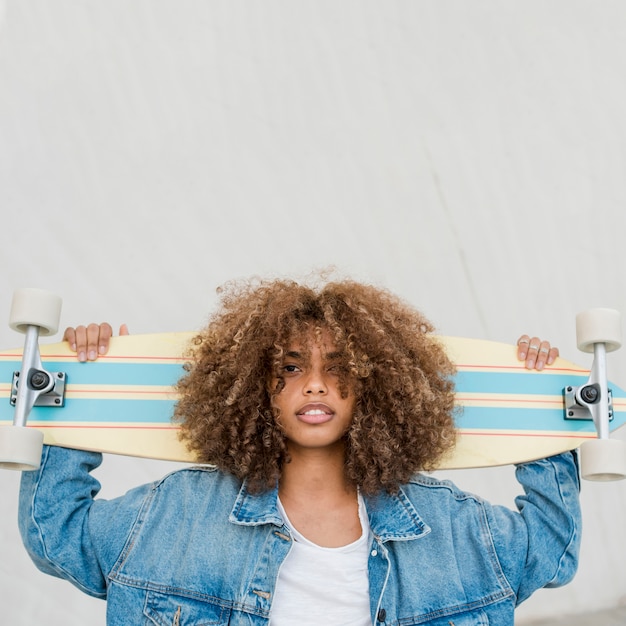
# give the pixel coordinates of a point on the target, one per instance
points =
(316, 408)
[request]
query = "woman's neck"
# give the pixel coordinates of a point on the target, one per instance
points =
(319, 473)
(318, 499)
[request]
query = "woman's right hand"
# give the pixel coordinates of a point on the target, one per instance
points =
(90, 342)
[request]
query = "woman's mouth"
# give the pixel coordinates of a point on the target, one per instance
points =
(315, 413)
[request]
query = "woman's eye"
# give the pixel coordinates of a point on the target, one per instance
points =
(290, 369)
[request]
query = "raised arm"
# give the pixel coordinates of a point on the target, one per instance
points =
(67, 532)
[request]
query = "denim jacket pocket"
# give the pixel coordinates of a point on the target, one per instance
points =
(166, 609)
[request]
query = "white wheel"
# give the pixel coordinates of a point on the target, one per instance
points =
(20, 448)
(603, 459)
(35, 307)
(598, 326)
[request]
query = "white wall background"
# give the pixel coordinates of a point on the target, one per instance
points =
(470, 156)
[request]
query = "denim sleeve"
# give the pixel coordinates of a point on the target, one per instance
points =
(66, 531)
(539, 545)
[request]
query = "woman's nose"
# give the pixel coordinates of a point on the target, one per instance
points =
(315, 384)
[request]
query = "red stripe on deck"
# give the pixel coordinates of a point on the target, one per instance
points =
(98, 426)
(520, 368)
(563, 435)
(110, 392)
(506, 401)
(64, 357)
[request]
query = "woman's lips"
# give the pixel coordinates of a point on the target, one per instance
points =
(315, 413)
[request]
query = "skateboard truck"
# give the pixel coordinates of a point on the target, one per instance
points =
(602, 459)
(582, 403)
(35, 313)
(44, 388)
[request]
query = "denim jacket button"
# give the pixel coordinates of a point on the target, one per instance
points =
(382, 615)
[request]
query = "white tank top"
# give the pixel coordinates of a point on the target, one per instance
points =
(318, 585)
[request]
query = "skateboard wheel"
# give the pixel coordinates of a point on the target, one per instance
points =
(35, 307)
(598, 326)
(603, 459)
(20, 448)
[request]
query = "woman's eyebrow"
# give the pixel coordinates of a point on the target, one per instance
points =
(334, 356)
(329, 356)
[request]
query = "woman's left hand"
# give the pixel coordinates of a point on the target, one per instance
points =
(535, 353)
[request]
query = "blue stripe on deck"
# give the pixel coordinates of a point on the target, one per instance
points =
(99, 373)
(163, 374)
(160, 412)
(508, 382)
(519, 419)
(114, 411)
(525, 384)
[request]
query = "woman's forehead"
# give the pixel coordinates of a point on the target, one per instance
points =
(310, 339)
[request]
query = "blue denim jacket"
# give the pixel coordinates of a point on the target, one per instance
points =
(196, 548)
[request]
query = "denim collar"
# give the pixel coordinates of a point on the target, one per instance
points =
(254, 509)
(392, 516)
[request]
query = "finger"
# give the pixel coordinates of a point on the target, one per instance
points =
(80, 343)
(542, 355)
(522, 347)
(70, 336)
(552, 356)
(124, 330)
(104, 336)
(93, 341)
(533, 351)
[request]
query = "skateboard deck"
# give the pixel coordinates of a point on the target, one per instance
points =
(123, 402)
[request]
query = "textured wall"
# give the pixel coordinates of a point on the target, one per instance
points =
(469, 156)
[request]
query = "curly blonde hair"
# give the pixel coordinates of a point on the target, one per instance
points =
(402, 378)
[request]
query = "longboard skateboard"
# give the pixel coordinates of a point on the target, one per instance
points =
(123, 402)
